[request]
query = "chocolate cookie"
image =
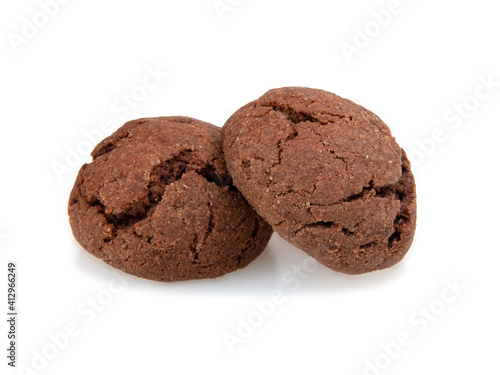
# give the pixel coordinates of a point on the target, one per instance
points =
(326, 174)
(157, 202)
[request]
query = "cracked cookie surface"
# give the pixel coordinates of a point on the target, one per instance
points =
(326, 174)
(157, 202)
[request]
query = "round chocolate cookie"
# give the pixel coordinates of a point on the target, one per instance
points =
(326, 174)
(157, 202)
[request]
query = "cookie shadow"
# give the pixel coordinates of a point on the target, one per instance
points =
(280, 267)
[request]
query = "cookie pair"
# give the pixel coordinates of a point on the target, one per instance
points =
(158, 201)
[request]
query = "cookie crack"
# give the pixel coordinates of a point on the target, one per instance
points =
(333, 154)
(209, 173)
(109, 145)
(329, 225)
(298, 117)
(393, 190)
(210, 226)
(294, 116)
(125, 220)
(161, 176)
(253, 235)
(403, 216)
(193, 247)
(281, 144)
(371, 191)
(368, 244)
(166, 173)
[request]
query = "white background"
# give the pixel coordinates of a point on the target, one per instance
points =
(69, 76)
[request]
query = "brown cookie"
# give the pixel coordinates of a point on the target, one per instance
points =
(327, 175)
(157, 202)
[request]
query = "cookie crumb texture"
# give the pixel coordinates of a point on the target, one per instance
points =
(157, 202)
(326, 174)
